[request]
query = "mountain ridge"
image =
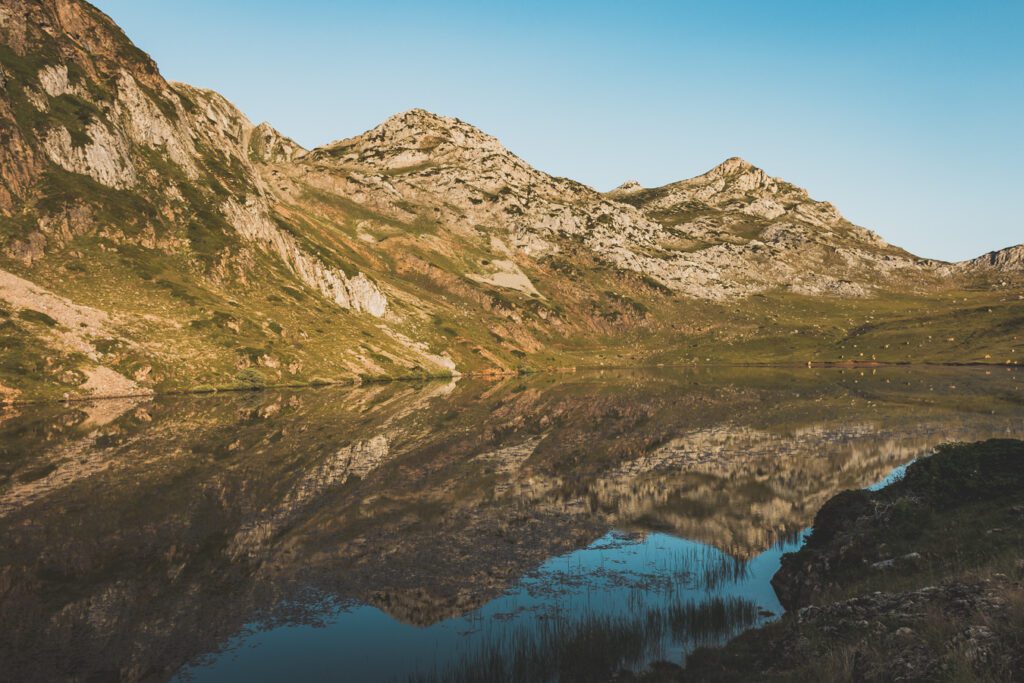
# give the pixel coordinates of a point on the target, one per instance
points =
(221, 254)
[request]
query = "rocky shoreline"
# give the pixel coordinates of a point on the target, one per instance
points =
(920, 581)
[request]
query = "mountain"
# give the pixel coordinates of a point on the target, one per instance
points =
(734, 220)
(1009, 260)
(152, 238)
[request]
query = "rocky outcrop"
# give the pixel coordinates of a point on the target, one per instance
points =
(104, 158)
(848, 527)
(880, 637)
(269, 146)
(19, 166)
(1009, 260)
(738, 185)
(147, 125)
(944, 535)
(742, 231)
(359, 293)
(141, 134)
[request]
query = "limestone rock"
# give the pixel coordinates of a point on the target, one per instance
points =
(1010, 260)
(359, 293)
(268, 145)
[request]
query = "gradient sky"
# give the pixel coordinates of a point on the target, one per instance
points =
(906, 114)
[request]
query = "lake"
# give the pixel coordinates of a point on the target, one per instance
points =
(550, 527)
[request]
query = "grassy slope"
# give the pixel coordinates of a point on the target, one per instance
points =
(194, 330)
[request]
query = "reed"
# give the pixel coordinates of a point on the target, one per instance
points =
(593, 647)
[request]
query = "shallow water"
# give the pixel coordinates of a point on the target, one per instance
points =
(542, 528)
(623, 601)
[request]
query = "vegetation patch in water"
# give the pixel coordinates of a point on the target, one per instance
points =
(596, 647)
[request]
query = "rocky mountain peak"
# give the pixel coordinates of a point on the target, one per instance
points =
(628, 187)
(732, 166)
(1010, 259)
(417, 137)
(737, 175)
(72, 31)
(417, 117)
(737, 185)
(267, 145)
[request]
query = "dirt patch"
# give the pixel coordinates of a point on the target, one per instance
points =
(24, 294)
(8, 394)
(102, 381)
(507, 275)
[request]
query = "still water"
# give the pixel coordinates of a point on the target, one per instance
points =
(561, 527)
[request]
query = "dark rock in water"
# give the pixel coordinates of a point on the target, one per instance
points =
(903, 583)
(798, 579)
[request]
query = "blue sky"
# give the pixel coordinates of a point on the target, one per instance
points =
(906, 114)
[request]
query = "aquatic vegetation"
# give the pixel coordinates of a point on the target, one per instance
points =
(593, 647)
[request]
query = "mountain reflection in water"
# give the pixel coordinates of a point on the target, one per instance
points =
(541, 527)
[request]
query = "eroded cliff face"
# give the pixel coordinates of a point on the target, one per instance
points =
(252, 221)
(176, 151)
(1009, 260)
(100, 152)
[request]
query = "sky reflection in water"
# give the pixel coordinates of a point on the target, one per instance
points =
(626, 600)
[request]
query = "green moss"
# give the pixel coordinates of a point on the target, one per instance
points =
(229, 176)
(178, 291)
(655, 285)
(253, 354)
(107, 346)
(25, 68)
(251, 379)
(28, 363)
(18, 226)
(165, 106)
(210, 237)
(28, 315)
(381, 359)
(75, 114)
(125, 210)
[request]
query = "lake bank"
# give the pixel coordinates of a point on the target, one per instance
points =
(921, 580)
(494, 375)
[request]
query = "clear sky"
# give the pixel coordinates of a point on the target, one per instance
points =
(908, 115)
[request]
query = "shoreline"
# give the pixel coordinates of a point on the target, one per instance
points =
(920, 580)
(355, 382)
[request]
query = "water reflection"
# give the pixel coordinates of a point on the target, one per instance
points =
(624, 601)
(139, 536)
